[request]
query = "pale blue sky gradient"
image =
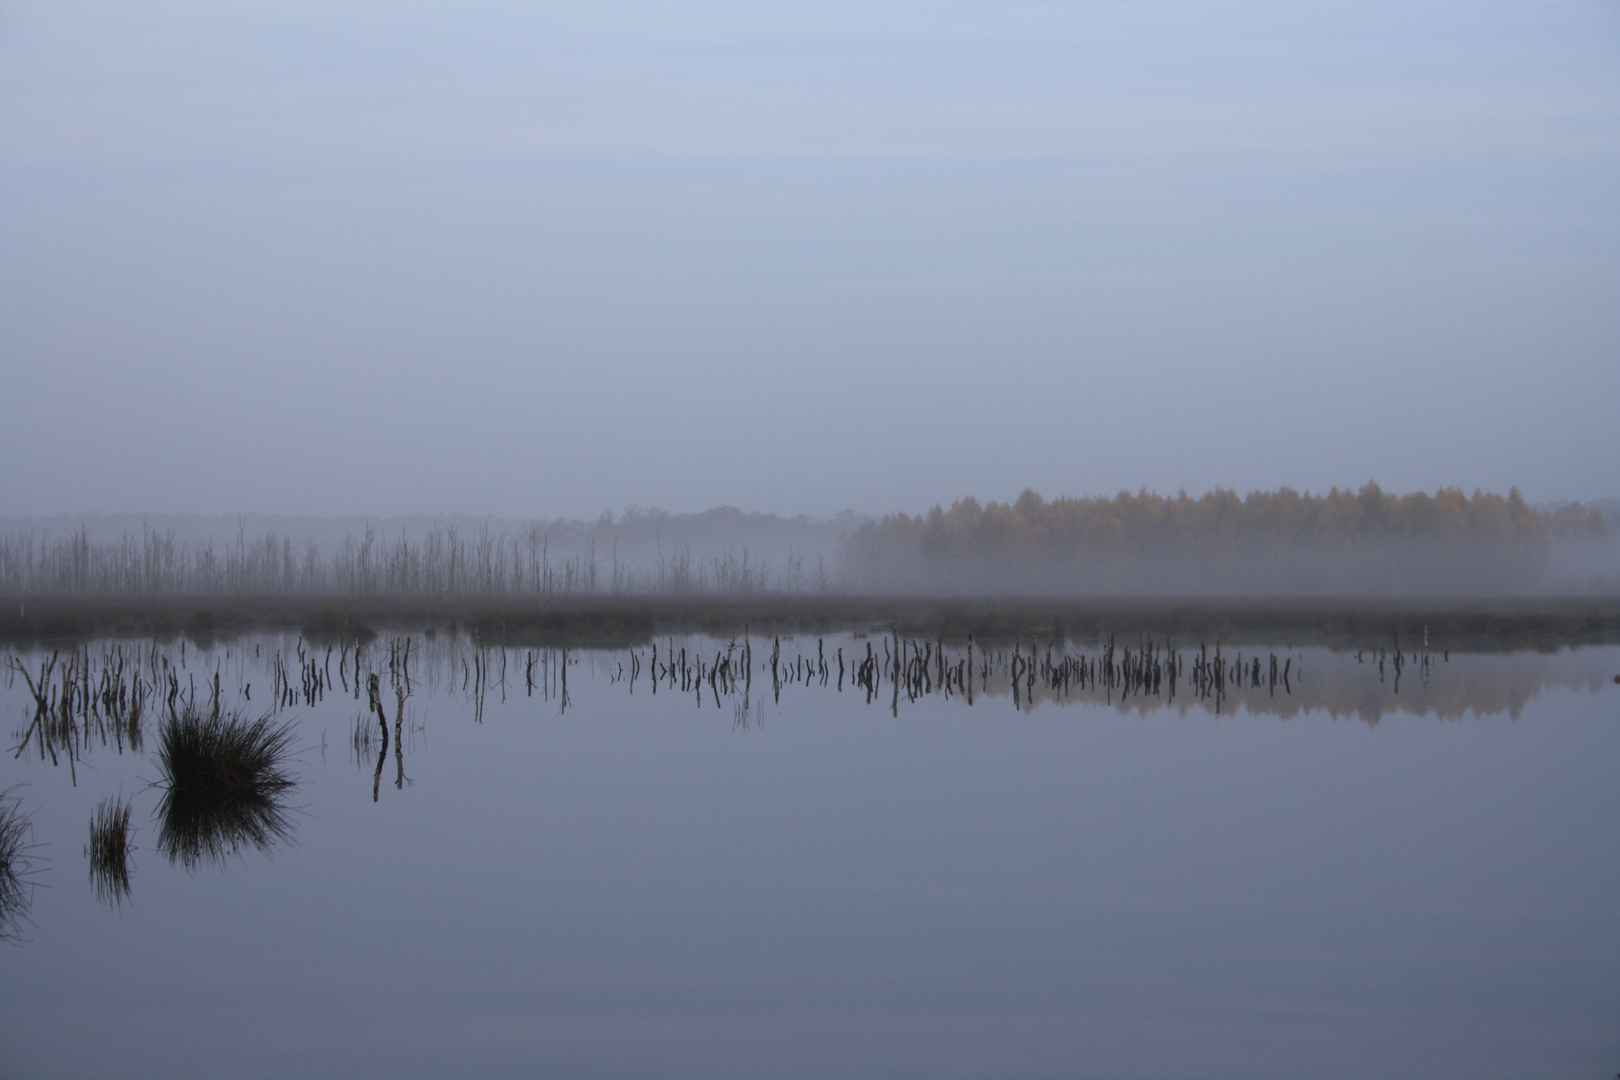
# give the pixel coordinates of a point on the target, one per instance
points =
(543, 260)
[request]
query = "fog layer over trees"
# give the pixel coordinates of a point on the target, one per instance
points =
(1280, 543)
(719, 551)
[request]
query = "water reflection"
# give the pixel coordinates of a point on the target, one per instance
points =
(109, 850)
(1017, 844)
(225, 786)
(16, 866)
(361, 739)
(99, 697)
(82, 699)
(1145, 676)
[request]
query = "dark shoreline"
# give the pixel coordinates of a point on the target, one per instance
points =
(1469, 624)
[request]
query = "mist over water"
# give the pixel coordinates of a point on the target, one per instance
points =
(725, 540)
(1344, 544)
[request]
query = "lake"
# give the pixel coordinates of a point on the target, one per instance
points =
(1204, 869)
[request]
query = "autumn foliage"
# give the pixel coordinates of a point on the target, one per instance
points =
(1273, 542)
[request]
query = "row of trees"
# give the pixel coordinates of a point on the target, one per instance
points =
(1274, 542)
(441, 563)
(1266, 543)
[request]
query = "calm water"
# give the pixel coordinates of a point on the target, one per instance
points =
(1328, 879)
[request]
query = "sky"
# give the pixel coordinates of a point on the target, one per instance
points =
(541, 260)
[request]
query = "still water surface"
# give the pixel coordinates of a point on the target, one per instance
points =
(1327, 879)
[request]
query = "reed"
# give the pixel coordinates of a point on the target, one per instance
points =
(225, 783)
(109, 850)
(446, 562)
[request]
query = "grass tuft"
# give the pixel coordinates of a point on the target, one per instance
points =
(16, 889)
(224, 786)
(109, 851)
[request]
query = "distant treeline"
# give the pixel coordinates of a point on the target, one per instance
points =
(1267, 543)
(718, 552)
(1279, 543)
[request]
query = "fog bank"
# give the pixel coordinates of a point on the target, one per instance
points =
(1266, 544)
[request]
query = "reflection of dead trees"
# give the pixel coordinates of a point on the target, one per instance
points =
(399, 736)
(887, 667)
(382, 756)
(82, 700)
(374, 702)
(894, 705)
(730, 672)
(476, 677)
(1031, 671)
(545, 671)
(967, 671)
(1395, 657)
(361, 740)
(314, 676)
(868, 673)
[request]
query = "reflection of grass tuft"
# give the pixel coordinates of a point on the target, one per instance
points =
(16, 890)
(109, 851)
(224, 786)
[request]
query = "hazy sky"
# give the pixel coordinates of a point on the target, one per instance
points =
(548, 259)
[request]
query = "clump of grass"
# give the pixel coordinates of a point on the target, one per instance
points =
(16, 889)
(109, 850)
(224, 784)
